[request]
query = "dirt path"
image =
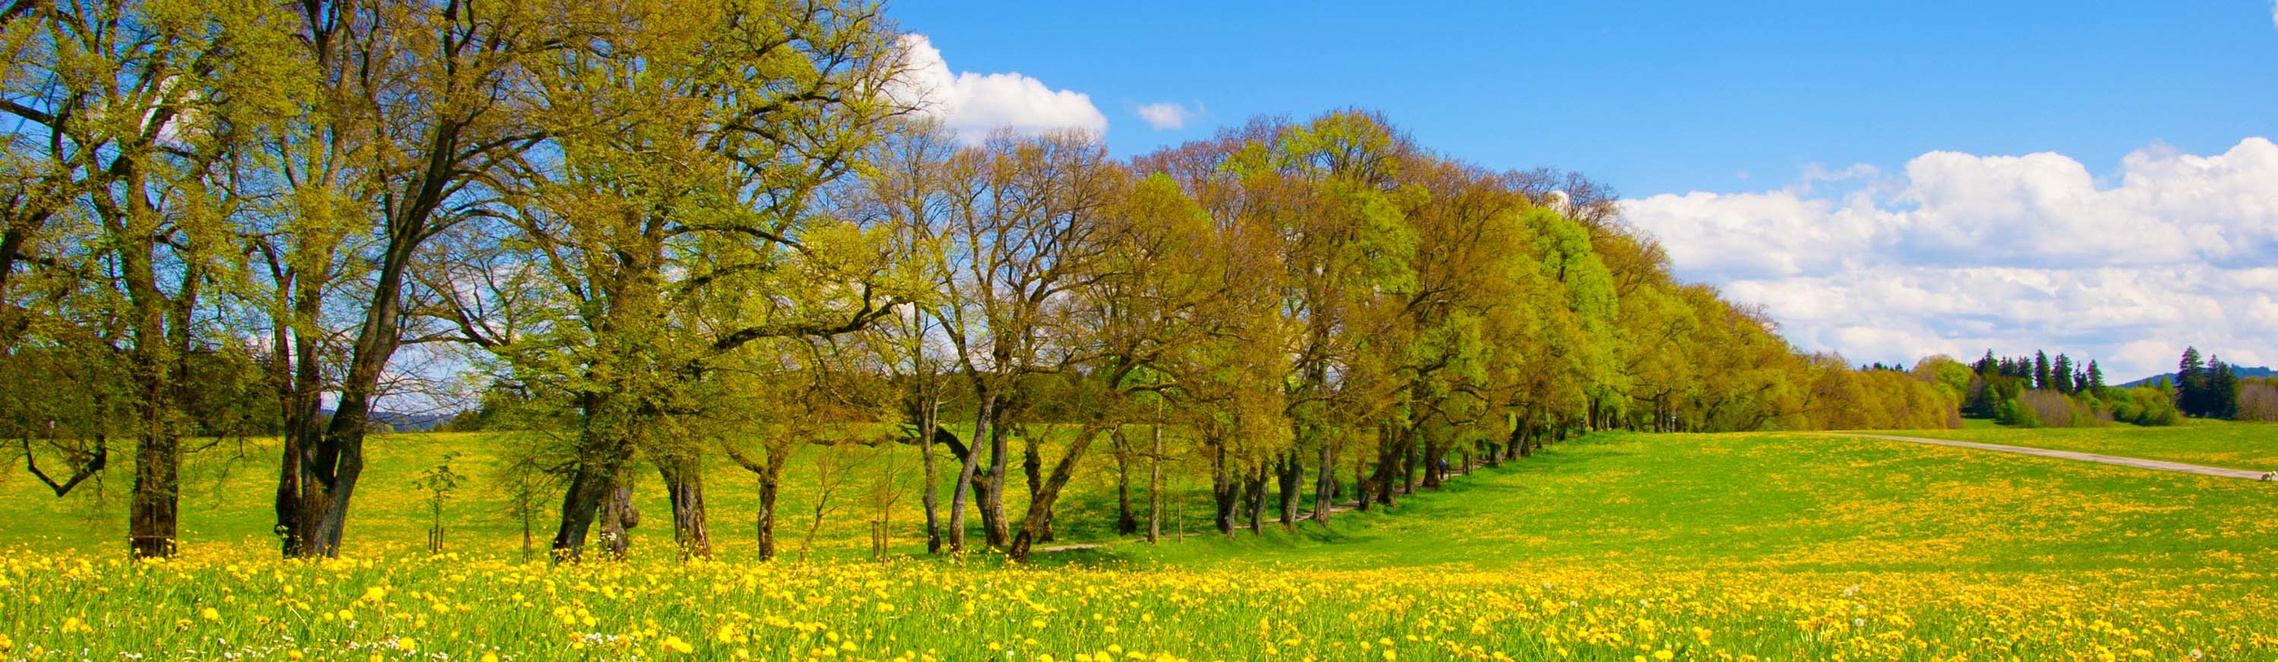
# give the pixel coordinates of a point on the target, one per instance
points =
(2140, 463)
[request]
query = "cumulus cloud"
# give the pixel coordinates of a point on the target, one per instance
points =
(975, 104)
(1962, 253)
(1165, 116)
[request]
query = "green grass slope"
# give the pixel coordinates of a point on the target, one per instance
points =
(1790, 502)
(2212, 443)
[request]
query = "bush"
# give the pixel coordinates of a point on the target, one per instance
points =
(2257, 401)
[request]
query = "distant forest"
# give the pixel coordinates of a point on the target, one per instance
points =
(2040, 391)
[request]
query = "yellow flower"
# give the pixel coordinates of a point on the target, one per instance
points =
(489, 657)
(1663, 654)
(674, 644)
(209, 614)
(408, 644)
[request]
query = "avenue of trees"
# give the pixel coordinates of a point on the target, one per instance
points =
(671, 236)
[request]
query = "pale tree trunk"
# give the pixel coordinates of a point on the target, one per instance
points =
(965, 485)
(930, 495)
(1325, 483)
(992, 498)
(1155, 488)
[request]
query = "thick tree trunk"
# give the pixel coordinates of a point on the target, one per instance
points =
(1408, 461)
(157, 494)
(1292, 477)
(1257, 504)
(770, 482)
(153, 513)
(683, 474)
(617, 516)
(1224, 490)
(992, 498)
(601, 457)
(1031, 467)
(1433, 457)
(581, 505)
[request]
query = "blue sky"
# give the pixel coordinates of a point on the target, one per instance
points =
(1886, 136)
(1662, 97)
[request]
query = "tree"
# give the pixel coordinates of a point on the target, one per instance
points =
(129, 116)
(2061, 374)
(411, 108)
(675, 216)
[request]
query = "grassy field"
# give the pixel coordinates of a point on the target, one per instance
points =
(1615, 547)
(2197, 441)
(228, 490)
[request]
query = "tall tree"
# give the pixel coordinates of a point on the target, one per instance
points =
(413, 106)
(131, 116)
(678, 213)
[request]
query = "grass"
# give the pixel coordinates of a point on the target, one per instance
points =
(2214, 443)
(226, 500)
(1613, 547)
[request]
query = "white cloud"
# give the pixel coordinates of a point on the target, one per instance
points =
(1165, 116)
(1963, 253)
(2274, 13)
(974, 104)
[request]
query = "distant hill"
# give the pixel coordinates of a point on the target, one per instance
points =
(403, 422)
(2243, 371)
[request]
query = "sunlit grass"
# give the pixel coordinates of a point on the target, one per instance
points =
(1615, 547)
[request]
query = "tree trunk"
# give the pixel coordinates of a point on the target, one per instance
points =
(930, 494)
(617, 516)
(1031, 466)
(1125, 522)
(1292, 476)
(1433, 457)
(770, 482)
(157, 494)
(601, 456)
(992, 499)
(965, 486)
(1407, 465)
(683, 474)
(1257, 501)
(1325, 481)
(1038, 521)
(1155, 488)
(1223, 490)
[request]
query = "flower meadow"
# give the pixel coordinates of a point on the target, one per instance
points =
(215, 604)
